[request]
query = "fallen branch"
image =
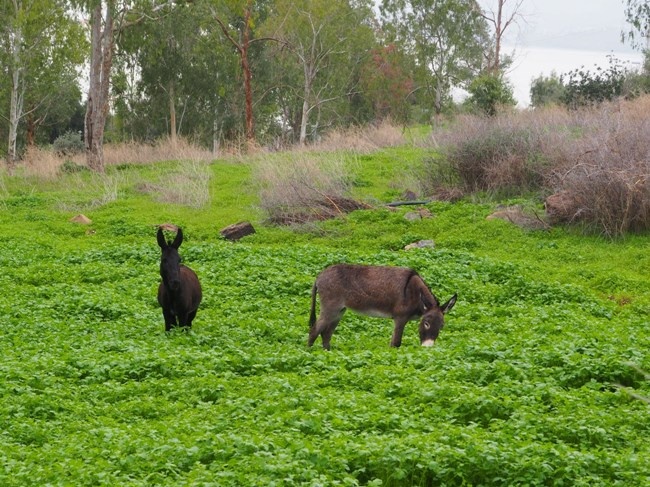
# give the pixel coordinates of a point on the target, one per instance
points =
(405, 203)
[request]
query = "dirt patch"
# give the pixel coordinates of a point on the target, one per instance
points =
(517, 216)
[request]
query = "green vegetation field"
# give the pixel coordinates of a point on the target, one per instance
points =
(535, 379)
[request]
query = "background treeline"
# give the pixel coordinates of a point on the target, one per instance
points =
(275, 72)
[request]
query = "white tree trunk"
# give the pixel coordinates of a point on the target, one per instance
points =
(303, 120)
(216, 134)
(172, 114)
(309, 79)
(16, 103)
(101, 60)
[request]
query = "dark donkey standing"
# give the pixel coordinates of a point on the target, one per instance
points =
(179, 293)
(380, 291)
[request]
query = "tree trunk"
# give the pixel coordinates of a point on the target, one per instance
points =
(242, 48)
(16, 102)
(101, 61)
(31, 130)
(304, 119)
(248, 77)
(498, 35)
(172, 115)
(216, 135)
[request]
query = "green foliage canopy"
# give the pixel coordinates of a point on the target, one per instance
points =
(447, 38)
(489, 92)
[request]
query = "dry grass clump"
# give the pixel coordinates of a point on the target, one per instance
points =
(162, 150)
(41, 163)
(301, 188)
(104, 188)
(46, 164)
(188, 186)
(361, 139)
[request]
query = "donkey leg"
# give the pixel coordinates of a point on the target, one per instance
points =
(170, 320)
(396, 340)
(190, 318)
(185, 320)
(327, 333)
(315, 330)
(324, 322)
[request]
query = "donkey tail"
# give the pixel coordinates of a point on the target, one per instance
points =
(312, 313)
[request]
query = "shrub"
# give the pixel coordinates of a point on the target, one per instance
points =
(490, 154)
(597, 158)
(546, 90)
(583, 87)
(303, 188)
(489, 92)
(606, 171)
(70, 167)
(614, 198)
(68, 144)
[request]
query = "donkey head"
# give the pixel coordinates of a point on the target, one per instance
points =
(170, 261)
(433, 319)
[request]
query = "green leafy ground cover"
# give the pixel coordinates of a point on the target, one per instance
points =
(519, 390)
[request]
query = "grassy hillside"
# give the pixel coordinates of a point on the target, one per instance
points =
(532, 381)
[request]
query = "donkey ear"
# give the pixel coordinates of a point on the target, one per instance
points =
(426, 301)
(179, 239)
(449, 304)
(161, 239)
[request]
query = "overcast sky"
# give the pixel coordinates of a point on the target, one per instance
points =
(561, 35)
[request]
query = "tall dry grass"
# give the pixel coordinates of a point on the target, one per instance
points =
(41, 163)
(162, 150)
(362, 140)
(46, 164)
(189, 185)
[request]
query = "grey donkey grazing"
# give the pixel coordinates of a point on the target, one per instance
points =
(380, 291)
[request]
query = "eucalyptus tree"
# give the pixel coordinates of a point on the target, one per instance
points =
(159, 54)
(237, 20)
(40, 43)
(447, 38)
(177, 77)
(502, 15)
(637, 14)
(108, 19)
(387, 83)
(52, 106)
(321, 45)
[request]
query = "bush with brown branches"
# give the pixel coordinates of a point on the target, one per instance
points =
(597, 158)
(301, 188)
